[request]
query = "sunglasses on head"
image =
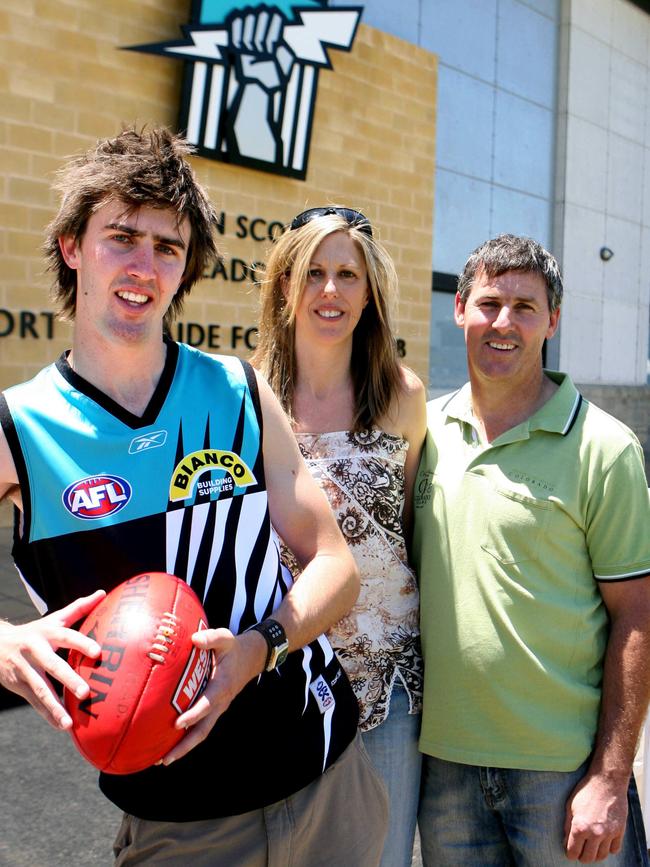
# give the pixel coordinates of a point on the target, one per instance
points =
(351, 217)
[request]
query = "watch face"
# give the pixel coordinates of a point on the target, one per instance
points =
(279, 654)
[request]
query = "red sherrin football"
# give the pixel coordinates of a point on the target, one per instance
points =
(148, 673)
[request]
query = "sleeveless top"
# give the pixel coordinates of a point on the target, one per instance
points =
(181, 489)
(378, 642)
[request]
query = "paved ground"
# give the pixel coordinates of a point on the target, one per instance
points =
(53, 814)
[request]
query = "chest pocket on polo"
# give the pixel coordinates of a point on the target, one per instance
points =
(515, 529)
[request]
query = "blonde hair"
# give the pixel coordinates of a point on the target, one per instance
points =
(374, 365)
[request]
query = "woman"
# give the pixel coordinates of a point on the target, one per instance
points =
(327, 348)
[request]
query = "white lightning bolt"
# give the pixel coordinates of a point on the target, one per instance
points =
(207, 44)
(335, 27)
(332, 27)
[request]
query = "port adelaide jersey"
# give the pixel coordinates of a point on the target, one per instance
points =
(108, 495)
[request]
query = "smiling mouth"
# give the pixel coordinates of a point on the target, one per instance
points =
(132, 297)
(502, 347)
(329, 314)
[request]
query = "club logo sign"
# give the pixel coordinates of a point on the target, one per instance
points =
(251, 76)
(96, 496)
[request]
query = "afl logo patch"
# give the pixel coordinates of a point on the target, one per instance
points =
(96, 496)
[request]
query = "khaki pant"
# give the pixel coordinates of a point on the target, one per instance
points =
(339, 820)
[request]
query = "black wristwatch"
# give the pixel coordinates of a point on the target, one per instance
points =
(276, 639)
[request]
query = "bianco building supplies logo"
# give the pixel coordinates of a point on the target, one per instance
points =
(251, 75)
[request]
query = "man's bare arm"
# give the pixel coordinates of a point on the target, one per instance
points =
(326, 589)
(328, 585)
(597, 809)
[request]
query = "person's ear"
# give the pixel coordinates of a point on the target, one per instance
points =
(459, 311)
(554, 321)
(70, 251)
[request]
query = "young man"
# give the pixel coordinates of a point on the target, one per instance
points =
(532, 542)
(109, 455)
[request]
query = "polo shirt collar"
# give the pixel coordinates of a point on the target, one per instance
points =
(558, 414)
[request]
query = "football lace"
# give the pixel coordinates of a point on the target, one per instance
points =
(164, 637)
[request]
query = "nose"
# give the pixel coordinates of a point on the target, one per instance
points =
(329, 288)
(503, 318)
(141, 264)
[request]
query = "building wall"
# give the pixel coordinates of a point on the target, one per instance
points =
(630, 404)
(65, 82)
(497, 93)
(497, 108)
(543, 129)
(603, 191)
(496, 135)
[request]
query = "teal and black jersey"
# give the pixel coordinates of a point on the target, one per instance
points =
(181, 489)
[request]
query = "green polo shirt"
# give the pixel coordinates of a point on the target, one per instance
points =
(509, 539)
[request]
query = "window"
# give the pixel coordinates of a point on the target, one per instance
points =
(447, 361)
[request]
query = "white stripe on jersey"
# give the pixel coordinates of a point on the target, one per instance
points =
(199, 517)
(223, 510)
(251, 521)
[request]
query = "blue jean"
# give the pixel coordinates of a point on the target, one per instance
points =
(393, 749)
(493, 817)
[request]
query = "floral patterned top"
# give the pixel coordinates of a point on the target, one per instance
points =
(362, 475)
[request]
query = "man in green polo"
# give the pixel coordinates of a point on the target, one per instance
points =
(532, 543)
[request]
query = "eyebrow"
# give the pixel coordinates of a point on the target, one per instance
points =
(315, 261)
(490, 294)
(134, 233)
